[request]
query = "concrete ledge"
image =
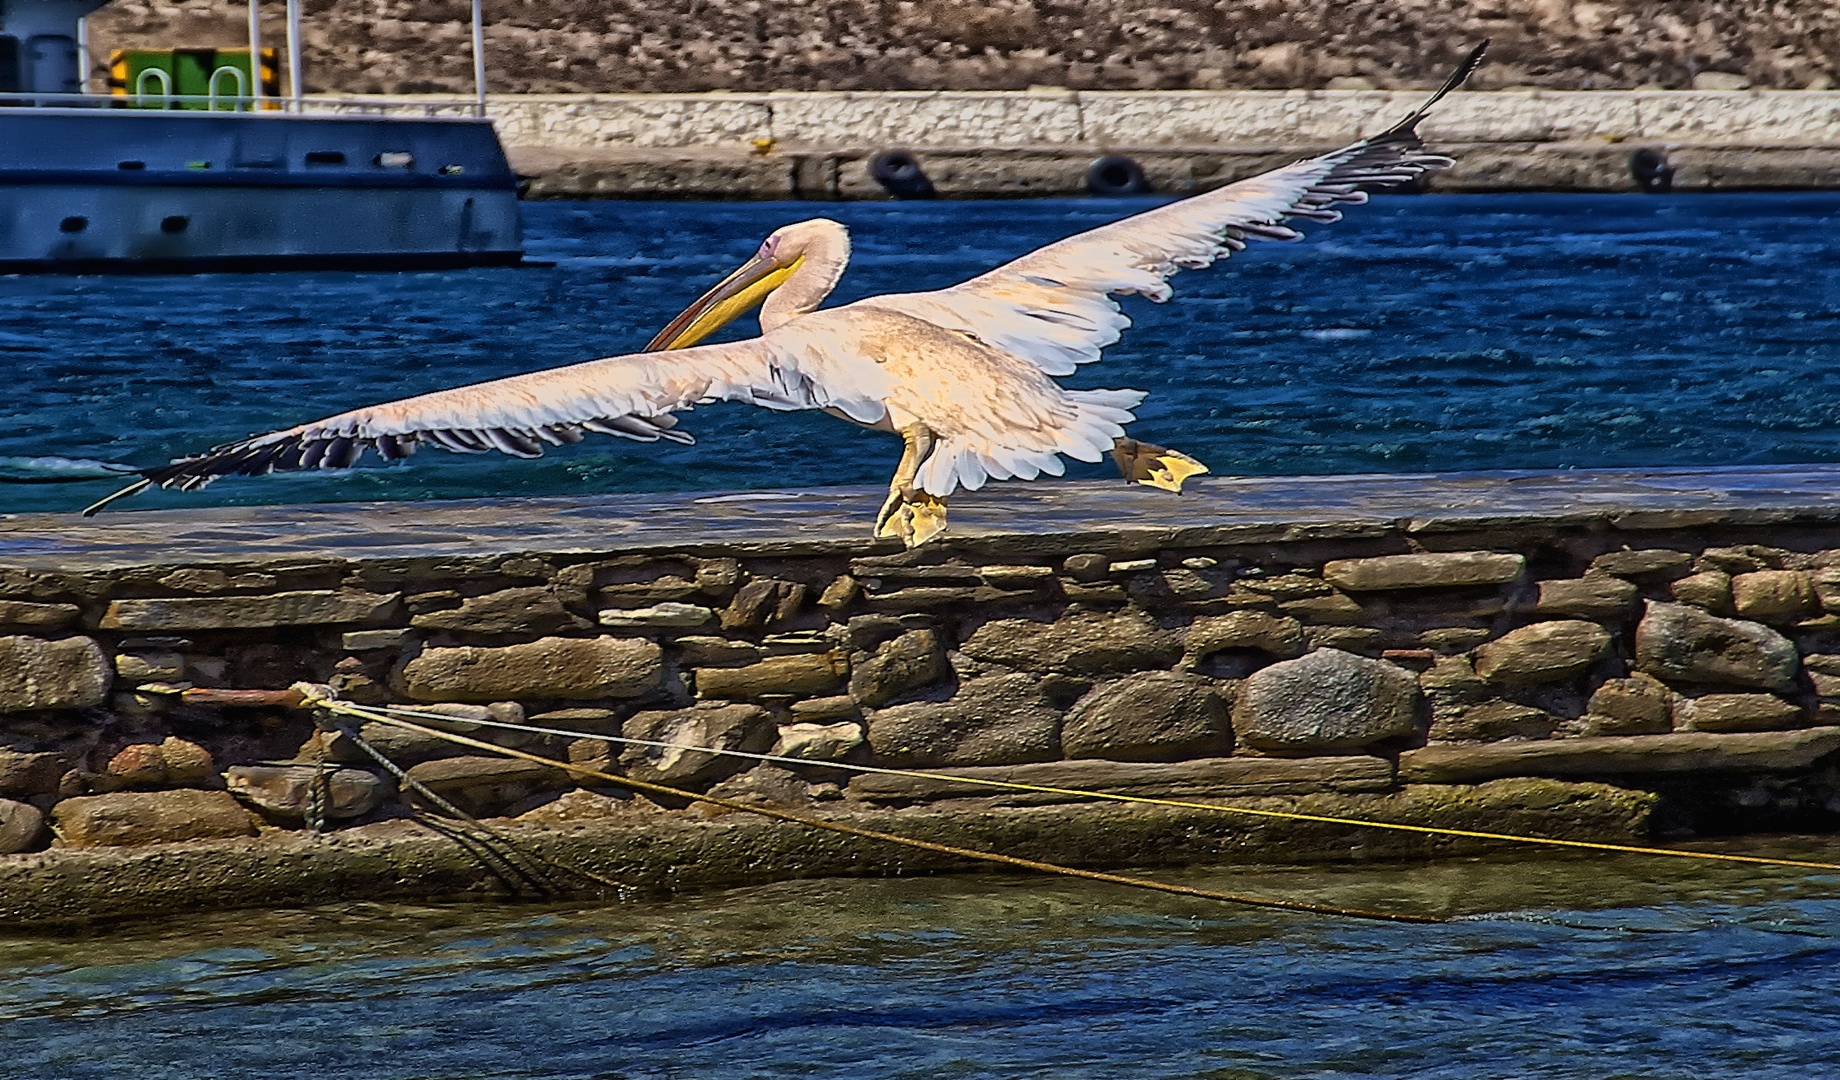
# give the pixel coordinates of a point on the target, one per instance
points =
(996, 144)
(922, 119)
(1066, 516)
(676, 852)
(1629, 755)
(959, 172)
(1210, 777)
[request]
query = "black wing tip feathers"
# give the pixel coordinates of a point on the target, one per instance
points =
(1457, 78)
(132, 489)
(269, 454)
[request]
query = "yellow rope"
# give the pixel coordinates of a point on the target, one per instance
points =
(336, 706)
(1012, 785)
(1426, 829)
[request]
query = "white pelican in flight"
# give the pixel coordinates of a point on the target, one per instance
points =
(964, 375)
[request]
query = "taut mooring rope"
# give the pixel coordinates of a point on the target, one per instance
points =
(336, 706)
(1146, 800)
(434, 799)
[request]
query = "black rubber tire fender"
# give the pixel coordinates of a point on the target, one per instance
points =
(1651, 171)
(899, 173)
(1115, 174)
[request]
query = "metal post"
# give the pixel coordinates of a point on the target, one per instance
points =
(479, 59)
(293, 17)
(83, 55)
(255, 53)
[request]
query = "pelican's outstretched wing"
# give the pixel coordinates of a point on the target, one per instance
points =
(629, 396)
(1054, 305)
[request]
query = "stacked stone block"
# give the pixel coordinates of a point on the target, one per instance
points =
(1299, 666)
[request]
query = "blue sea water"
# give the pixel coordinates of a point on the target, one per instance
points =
(1428, 332)
(1579, 969)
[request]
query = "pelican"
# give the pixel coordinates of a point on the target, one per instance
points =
(964, 375)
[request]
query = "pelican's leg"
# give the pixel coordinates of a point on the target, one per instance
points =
(908, 512)
(1157, 466)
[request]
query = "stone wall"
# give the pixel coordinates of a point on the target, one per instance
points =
(1006, 144)
(1691, 662)
(566, 46)
(1000, 120)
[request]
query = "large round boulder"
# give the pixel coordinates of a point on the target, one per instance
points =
(1326, 701)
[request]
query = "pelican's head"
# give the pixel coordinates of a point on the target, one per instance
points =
(816, 251)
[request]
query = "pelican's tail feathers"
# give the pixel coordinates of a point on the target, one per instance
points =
(971, 459)
(1113, 406)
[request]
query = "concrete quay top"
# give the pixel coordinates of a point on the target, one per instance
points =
(1071, 516)
(920, 119)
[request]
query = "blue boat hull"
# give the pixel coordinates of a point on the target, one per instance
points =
(103, 190)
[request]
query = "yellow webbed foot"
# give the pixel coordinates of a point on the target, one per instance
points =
(1155, 466)
(1171, 467)
(919, 518)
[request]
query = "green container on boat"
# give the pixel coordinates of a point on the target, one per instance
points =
(219, 79)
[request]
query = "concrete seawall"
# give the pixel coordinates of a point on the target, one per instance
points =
(815, 145)
(1632, 656)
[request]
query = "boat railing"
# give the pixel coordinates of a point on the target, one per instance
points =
(155, 95)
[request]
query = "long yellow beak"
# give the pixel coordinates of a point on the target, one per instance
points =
(735, 296)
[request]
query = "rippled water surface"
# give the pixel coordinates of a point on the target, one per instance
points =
(1580, 968)
(1435, 332)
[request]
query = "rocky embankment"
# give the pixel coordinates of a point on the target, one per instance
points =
(1557, 678)
(629, 46)
(1024, 98)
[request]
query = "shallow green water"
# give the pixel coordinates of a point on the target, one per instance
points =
(1569, 967)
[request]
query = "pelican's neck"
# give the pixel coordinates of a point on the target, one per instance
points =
(823, 256)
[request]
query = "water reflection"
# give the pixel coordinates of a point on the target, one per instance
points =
(1584, 966)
